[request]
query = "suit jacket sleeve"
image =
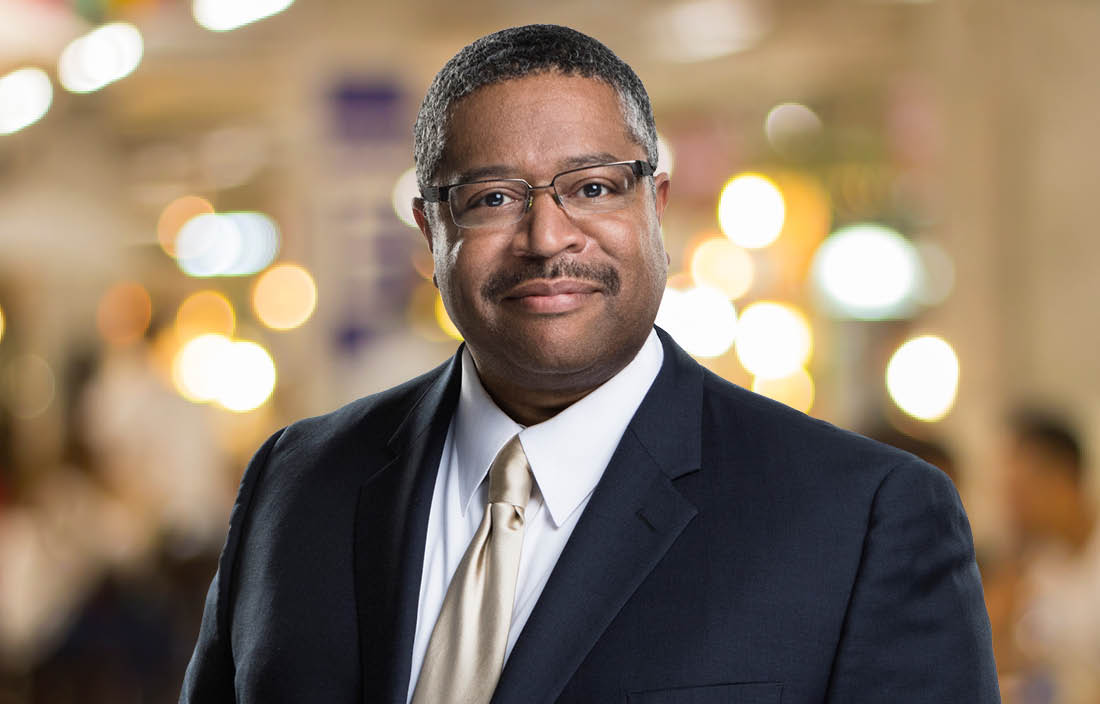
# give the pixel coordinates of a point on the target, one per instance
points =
(916, 628)
(210, 675)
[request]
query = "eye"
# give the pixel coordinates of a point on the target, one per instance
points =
(593, 190)
(493, 200)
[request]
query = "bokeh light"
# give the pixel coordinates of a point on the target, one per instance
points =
(774, 340)
(238, 375)
(867, 272)
(922, 377)
(720, 264)
(666, 160)
(250, 377)
(796, 390)
(30, 386)
(751, 211)
(284, 296)
(443, 319)
(701, 30)
(25, 98)
(175, 215)
(404, 190)
(124, 313)
(205, 312)
(2, 323)
(227, 244)
(701, 320)
(792, 129)
(100, 57)
(198, 367)
(223, 15)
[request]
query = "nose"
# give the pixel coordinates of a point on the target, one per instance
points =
(547, 230)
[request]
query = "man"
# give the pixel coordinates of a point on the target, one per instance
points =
(571, 509)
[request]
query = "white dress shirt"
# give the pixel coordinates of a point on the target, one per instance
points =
(567, 453)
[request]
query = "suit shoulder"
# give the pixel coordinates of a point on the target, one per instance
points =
(750, 422)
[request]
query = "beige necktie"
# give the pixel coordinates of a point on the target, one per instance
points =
(465, 654)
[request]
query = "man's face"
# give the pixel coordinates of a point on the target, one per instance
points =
(553, 302)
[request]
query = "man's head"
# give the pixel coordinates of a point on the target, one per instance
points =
(559, 294)
(1045, 470)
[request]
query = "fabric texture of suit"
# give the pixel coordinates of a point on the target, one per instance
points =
(735, 550)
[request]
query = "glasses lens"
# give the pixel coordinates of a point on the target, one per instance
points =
(488, 202)
(597, 189)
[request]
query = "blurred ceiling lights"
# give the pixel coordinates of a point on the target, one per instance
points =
(751, 211)
(700, 30)
(25, 96)
(867, 272)
(223, 15)
(701, 319)
(922, 377)
(100, 57)
(226, 244)
(792, 129)
(774, 340)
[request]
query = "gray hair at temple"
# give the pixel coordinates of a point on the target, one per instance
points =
(523, 51)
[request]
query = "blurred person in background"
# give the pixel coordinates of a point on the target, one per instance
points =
(1048, 613)
(682, 538)
(107, 552)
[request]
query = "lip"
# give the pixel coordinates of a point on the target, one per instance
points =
(557, 296)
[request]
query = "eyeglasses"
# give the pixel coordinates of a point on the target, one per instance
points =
(498, 202)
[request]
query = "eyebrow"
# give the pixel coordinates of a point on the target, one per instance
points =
(505, 171)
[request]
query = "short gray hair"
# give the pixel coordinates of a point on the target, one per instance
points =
(522, 51)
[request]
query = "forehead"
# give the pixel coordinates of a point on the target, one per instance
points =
(536, 125)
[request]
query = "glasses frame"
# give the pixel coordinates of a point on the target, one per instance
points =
(441, 194)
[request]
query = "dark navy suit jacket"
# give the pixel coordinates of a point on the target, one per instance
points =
(735, 550)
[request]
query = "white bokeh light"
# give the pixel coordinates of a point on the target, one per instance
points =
(223, 15)
(774, 340)
(701, 320)
(404, 190)
(790, 127)
(751, 211)
(226, 244)
(867, 272)
(100, 57)
(25, 97)
(250, 377)
(922, 377)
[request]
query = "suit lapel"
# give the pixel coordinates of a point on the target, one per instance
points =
(634, 516)
(390, 528)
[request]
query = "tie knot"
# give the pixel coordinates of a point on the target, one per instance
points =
(510, 475)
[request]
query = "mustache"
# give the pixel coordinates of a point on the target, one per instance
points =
(606, 276)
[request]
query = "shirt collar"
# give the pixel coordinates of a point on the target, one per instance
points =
(569, 452)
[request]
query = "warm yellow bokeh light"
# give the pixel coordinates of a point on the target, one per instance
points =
(205, 312)
(173, 217)
(199, 367)
(774, 340)
(444, 320)
(284, 297)
(922, 377)
(796, 390)
(722, 265)
(238, 375)
(751, 210)
(1, 323)
(124, 313)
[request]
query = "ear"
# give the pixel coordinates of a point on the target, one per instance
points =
(422, 221)
(661, 187)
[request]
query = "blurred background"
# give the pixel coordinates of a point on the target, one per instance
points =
(881, 215)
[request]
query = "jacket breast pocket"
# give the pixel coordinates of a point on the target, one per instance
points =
(744, 693)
